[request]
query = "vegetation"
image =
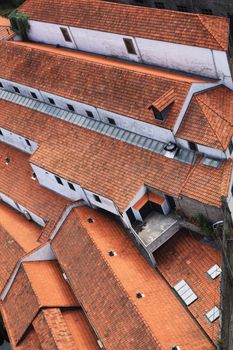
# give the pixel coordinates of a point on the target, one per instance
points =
(205, 225)
(19, 23)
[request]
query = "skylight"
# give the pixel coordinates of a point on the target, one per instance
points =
(214, 271)
(213, 314)
(185, 292)
(215, 163)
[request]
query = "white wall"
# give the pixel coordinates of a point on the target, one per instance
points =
(48, 180)
(17, 141)
(190, 59)
(21, 209)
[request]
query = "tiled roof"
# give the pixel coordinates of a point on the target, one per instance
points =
(5, 31)
(16, 182)
(164, 100)
(37, 285)
(102, 82)
(209, 118)
(121, 320)
(176, 27)
(186, 257)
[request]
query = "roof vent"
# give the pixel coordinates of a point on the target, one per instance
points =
(33, 176)
(90, 220)
(7, 160)
(170, 150)
(112, 253)
(139, 295)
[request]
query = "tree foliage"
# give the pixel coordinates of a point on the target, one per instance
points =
(19, 24)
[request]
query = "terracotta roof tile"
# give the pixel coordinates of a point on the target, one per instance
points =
(154, 24)
(25, 191)
(209, 118)
(164, 100)
(37, 284)
(117, 86)
(186, 257)
(113, 283)
(5, 31)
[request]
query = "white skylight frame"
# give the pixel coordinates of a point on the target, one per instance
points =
(185, 292)
(213, 314)
(214, 271)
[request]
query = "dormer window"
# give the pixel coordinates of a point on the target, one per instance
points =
(162, 105)
(130, 46)
(66, 34)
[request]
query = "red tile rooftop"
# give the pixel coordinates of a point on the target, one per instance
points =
(177, 27)
(113, 283)
(186, 256)
(118, 85)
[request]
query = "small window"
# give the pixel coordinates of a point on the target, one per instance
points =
(16, 89)
(28, 142)
(71, 186)
(182, 8)
(1, 86)
(130, 46)
(1, 134)
(33, 176)
(207, 12)
(111, 121)
(66, 34)
(158, 115)
(159, 5)
(90, 114)
(70, 107)
(51, 101)
(230, 146)
(34, 95)
(59, 181)
(97, 198)
(192, 146)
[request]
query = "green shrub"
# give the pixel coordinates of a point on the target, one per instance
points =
(19, 24)
(205, 225)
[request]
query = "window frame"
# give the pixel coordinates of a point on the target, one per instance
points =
(35, 95)
(130, 47)
(71, 186)
(90, 114)
(59, 180)
(70, 107)
(66, 34)
(192, 146)
(16, 89)
(51, 101)
(97, 198)
(111, 121)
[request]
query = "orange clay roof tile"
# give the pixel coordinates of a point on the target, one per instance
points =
(165, 100)
(37, 284)
(142, 22)
(187, 257)
(113, 283)
(209, 118)
(117, 86)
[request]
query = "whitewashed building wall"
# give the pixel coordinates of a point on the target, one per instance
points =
(17, 141)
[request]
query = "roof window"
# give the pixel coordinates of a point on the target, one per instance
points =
(192, 146)
(33, 176)
(1, 86)
(97, 198)
(161, 106)
(66, 34)
(71, 186)
(59, 181)
(16, 89)
(130, 46)
(214, 271)
(28, 142)
(1, 134)
(185, 292)
(90, 114)
(70, 107)
(213, 314)
(159, 5)
(111, 121)
(51, 101)
(230, 146)
(34, 95)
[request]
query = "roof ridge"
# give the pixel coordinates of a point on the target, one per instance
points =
(190, 173)
(119, 281)
(205, 24)
(200, 105)
(220, 115)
